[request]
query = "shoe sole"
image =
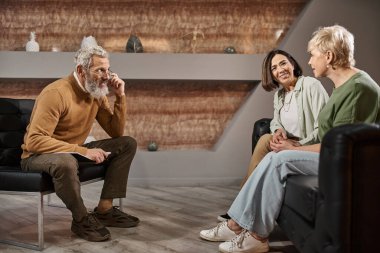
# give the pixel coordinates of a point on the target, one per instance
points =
(212, 239)
(247, 251)
(120, 225)
(91, 239)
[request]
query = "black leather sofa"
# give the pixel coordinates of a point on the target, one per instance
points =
(338, 210)
(14, 117)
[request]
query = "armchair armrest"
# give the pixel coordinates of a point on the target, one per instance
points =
(261, 127)
(349, 176)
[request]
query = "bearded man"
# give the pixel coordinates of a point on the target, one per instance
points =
(61, 120)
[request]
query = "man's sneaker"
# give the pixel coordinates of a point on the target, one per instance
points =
(244, 243)
(220, 233)
(224, 217)
(116, 218)
(90, 229)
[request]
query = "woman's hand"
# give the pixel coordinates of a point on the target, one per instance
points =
(279, 135)
(287, 144)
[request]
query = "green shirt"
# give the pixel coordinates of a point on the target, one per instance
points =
(357, 100)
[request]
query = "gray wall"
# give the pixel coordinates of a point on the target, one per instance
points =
(228, 162)
(360, 17)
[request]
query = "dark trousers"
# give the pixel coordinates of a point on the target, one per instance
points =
(64, 170)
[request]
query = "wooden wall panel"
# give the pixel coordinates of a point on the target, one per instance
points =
(251, 26)
(177, 115)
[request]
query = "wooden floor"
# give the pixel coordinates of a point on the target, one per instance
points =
(171, 218)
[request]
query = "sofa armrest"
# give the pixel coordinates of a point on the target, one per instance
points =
(349, 185)
(261, 127)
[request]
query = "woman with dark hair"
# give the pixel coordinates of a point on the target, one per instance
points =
(355, 98)
(296, 107)
(269, 82)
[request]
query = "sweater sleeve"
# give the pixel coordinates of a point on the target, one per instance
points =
(113, 122)
(44, 119)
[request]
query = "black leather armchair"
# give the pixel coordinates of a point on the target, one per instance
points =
(338, 210)
(14, 117)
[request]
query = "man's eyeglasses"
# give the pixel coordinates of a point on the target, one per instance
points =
(103, 72)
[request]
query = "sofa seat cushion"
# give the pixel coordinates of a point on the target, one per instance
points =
(14, 179)
(301, 195)
(91, 171)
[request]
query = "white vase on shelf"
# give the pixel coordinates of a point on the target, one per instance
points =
(88, 41)
(32, 45)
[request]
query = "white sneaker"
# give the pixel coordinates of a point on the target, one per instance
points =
(244, 243)
(220, 233)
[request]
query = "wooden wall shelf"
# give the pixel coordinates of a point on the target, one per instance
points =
(144, 66)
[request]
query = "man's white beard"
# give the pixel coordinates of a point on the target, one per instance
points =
(94, 90)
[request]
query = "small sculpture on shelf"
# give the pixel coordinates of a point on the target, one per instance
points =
(195, 33)
(32, 45)
(134, 45)
(88, 41)
(230, 50)
(152, 146)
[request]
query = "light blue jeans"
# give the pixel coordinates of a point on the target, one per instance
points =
(258, 203)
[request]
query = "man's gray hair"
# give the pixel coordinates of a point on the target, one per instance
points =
(84, 55)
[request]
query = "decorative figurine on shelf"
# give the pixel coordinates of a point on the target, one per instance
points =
(196, 32)
(88, 41)
(230, 50)
(32, 45)
(134, 45)
(152, 146)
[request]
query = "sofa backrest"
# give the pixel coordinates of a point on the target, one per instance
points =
(14, 118)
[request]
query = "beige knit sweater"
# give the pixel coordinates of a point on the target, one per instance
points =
(63, 116)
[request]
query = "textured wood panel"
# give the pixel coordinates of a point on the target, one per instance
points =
(175, 114)
(201, 26)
